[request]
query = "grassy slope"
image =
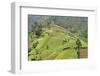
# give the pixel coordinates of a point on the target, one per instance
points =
(55, 46)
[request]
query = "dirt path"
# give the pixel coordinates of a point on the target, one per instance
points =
(84, 53)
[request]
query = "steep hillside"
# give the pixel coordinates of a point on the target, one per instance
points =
(55, 42)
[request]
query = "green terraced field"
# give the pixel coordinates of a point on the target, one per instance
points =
(53, 44)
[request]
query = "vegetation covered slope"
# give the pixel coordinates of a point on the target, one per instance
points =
(55, 37)
(53, 43)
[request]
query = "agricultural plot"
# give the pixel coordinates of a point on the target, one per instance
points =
(57, 37)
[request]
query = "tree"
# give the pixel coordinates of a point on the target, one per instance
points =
(78, 43)
(34, 26)
(35, 44)
(38, 31)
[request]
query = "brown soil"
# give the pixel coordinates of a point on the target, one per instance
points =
(84, 53)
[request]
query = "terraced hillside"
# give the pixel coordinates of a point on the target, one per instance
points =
(53, 42)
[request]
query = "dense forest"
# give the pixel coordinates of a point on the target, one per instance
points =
(56, 37)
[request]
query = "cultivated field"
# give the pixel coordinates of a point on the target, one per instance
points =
(58, 38)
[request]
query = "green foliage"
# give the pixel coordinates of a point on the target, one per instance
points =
(56, 38)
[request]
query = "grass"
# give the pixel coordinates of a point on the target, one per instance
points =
(53, 46)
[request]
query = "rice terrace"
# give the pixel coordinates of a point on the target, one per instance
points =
(57, 37)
